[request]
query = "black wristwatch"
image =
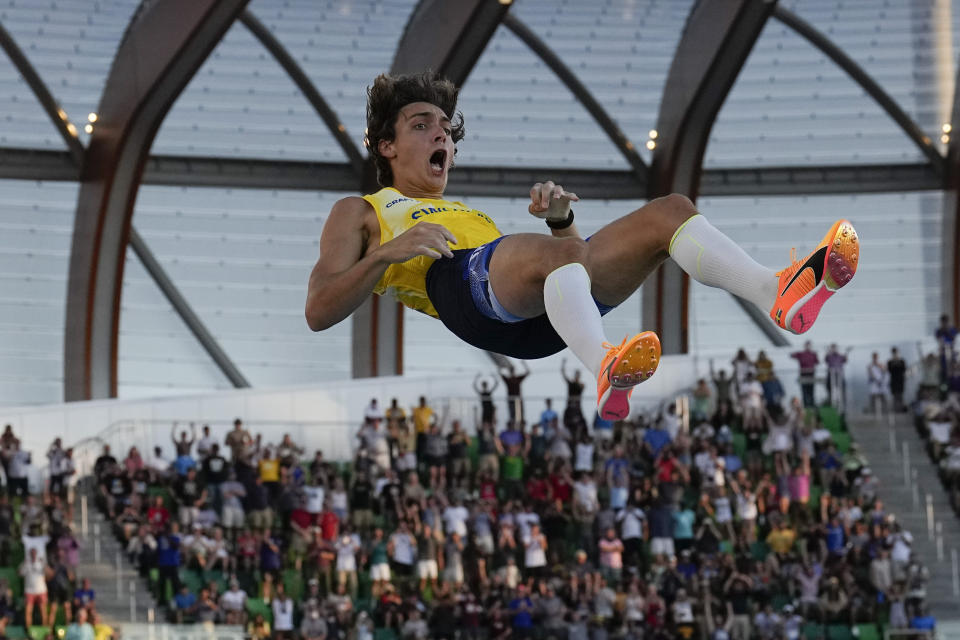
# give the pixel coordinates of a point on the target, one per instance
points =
(561, 224)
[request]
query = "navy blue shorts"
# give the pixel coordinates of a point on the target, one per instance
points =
(459, 288)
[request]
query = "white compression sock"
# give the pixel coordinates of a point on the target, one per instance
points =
(574, 314)
(710, 257)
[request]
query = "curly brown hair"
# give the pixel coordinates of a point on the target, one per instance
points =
(389, 94)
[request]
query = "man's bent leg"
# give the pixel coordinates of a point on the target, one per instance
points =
(532, 274)
(627, 251)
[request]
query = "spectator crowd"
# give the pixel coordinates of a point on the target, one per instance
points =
(747, 517)
(744, 514)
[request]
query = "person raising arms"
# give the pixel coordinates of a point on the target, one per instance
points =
(529, 295)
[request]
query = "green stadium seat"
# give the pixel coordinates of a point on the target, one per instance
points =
(384, 633)
(16, 632)
(13, 579)
(38, 632)
(740, 445)
(293, 583)
(842, 440)
(779, 600)
(812, 631)
(256, 605)
(759, 550)
(815, 492)
(192, 579)
(839, 632)
(868, 632)
(831, 419)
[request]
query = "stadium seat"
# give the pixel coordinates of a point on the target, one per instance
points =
(812, 631)
(842, 440)
(256, 605)
(868, 632)
(384, 634)
(293, 583)
(831, 419)
(13, 579)
(16, 632)
(740, 444)
(839, 632)
(38, 632)
(759, 550)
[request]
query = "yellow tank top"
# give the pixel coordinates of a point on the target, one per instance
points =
(396, 213)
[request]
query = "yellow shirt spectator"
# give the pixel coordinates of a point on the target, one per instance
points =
(781, 540)
(102, 631)
(269, 470)
(422, 417)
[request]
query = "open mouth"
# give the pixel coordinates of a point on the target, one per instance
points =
(438, 161)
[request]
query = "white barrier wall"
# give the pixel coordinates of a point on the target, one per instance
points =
(328, 416)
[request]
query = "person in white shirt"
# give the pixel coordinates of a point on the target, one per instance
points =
(633, 532)
(232, 494)
(282, 613)
(402, 549)
(205, 444)
(314, 493)
(455, 518)
(18, 471)
(526, 519)
(234, 603)
(583, 460)
(34, 572)
(535, 551)
(751, 402)
(158, 466)
(373, 413)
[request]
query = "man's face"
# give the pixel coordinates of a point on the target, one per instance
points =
(422, 151)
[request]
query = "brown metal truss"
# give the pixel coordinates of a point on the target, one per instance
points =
(71, 163)
(238, 173)
(716, 41)
(165, 44)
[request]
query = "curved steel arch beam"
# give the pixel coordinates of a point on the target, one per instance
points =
(357, 160)
(76, 153)
(716, 41)
(164, 45)
(66, 129)
(950, 231)
(862, 78)
(600, 115)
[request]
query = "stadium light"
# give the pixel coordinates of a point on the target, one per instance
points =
(947, 127)
(88, 128)
(944, 138)
(72, 129)
(651, 145)
(92, 117)
(653, 134)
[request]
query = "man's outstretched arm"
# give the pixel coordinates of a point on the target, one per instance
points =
(348, 270)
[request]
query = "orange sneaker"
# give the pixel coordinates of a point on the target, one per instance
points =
(805, 286)
(624, 367)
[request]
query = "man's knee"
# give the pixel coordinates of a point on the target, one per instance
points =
(674, 210)
(564, 251)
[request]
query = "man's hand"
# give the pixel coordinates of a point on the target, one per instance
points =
(550, 201)
(424, 239)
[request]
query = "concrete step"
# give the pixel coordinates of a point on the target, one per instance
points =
(122, 595)
(874, 440)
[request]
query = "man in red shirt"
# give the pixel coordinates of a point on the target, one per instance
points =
(157, 515)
